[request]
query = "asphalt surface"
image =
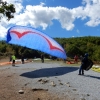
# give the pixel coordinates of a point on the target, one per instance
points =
(59, 78)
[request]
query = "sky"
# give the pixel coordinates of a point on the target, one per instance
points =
(56, 18)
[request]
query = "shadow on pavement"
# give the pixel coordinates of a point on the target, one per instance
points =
(96, 77)
(48, 72)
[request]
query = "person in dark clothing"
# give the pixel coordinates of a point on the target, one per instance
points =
(42, 58)
(22, 59)
(84, 61)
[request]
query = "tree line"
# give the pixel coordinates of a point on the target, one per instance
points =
(81, 45)
(72, 46)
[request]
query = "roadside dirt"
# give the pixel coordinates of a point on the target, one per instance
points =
(10, 87)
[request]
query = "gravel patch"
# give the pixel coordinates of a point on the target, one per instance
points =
(58, 79)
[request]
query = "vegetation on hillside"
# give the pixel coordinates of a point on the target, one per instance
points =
(81, 45)
(72, 46)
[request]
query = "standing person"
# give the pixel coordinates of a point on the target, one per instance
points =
(22, 59)
(84, 61)
(13, 60)
(42, 58)
(10, 58)
(75, 58)
(81, 58)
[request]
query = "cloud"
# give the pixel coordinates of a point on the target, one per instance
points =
(2, 31)
(91, 11)
(42, 4)
(43, 16)
(73, 36)
(77, 31)
(17, 3)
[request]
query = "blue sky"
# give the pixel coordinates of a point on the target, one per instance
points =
(54, 3)
(56, 18)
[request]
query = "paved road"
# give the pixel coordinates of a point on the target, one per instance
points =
(59, 78)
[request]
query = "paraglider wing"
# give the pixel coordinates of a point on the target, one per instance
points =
(34, 39)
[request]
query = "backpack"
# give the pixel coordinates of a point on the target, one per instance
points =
(88, 65)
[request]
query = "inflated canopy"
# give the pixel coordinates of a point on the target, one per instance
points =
(34, 39)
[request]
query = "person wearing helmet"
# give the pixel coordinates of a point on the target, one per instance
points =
(84, 61)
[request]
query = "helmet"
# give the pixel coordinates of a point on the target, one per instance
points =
(86, 54)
